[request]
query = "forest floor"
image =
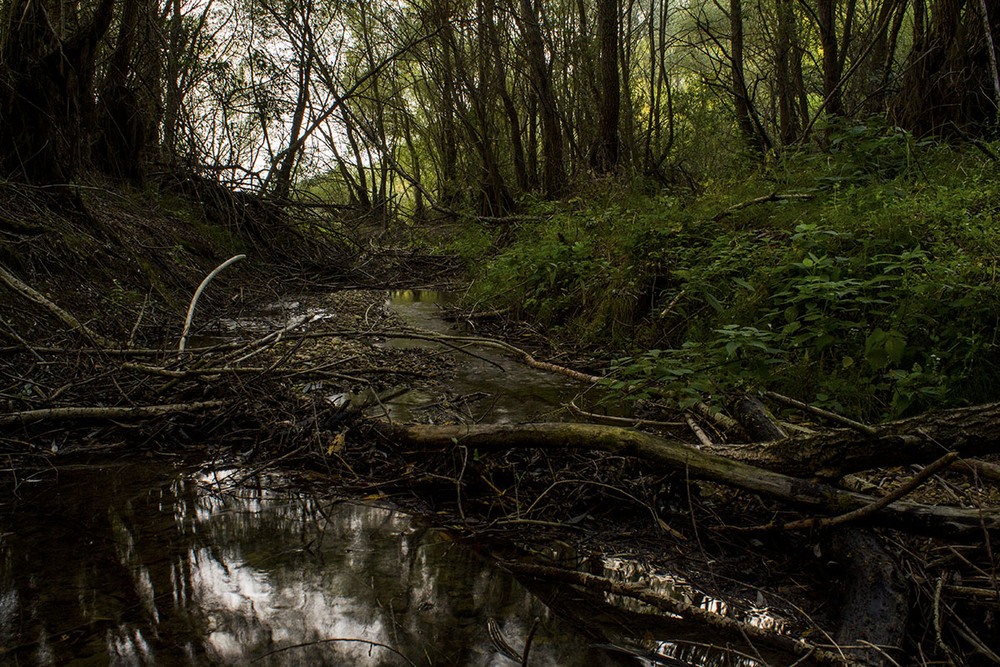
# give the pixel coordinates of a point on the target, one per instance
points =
(291, 368)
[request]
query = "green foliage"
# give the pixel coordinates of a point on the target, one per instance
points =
(877, 297)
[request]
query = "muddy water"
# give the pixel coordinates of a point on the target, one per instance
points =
(503, 390)
(141, 563)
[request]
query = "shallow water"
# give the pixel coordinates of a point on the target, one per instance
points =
(141, 563)
(513, 392)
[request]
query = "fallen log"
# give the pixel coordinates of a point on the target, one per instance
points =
(905, 515)
(971, 431)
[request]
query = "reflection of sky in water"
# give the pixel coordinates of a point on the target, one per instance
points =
(138, 564)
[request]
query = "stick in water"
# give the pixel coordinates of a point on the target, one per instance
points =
(197, 295)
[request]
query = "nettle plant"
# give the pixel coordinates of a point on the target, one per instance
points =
(855, 322)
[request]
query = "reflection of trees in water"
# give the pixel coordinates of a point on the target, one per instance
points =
(147, 565)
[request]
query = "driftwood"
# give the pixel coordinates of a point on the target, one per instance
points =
(915, 517)
(137, 412)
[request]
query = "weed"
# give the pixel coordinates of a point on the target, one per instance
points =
(877, 297)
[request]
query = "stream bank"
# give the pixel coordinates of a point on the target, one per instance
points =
(304, 385)
(587, 511)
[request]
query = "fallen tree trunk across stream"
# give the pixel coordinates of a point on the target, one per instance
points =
(676, 455)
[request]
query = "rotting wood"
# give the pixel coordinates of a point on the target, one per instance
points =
(756, 420)
(971, 431)
(905, 489)
(740, 631)
(977, 468)
(905, 515)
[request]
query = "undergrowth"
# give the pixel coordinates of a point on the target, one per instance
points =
(871, 291)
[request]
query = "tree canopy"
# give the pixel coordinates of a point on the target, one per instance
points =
(421, 104)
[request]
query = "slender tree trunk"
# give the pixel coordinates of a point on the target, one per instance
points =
(509, 109)
(826, 12)
(991, 48)
(447, 188)
(364, 197)
(418, 196)
(553, 174)
(741, 97)
(283, 180)
(172, 93)
(532, 150)
(788, 127)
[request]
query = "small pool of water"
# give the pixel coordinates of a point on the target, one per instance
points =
(137, 562)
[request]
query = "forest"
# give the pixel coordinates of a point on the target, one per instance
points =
(707, 285)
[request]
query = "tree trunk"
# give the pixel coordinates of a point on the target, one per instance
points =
(741, 97)
(46, 108)
(124, 122)
(788, 126)
(826, 13)
(948, 80)
(283, 180)
(605, 155)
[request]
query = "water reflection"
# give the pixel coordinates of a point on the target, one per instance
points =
(511, 391)
(137, 563)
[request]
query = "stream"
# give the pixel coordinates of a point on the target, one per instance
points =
(511, 391)
(140, 562)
